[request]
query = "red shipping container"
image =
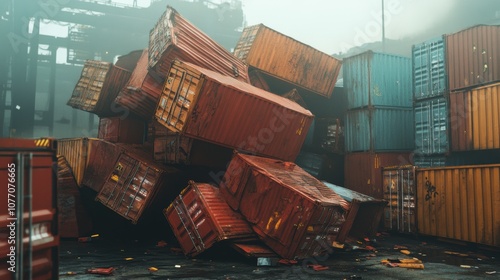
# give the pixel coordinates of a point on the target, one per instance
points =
(202, 104)
(129, 130)
(292, 212)
(363, 171)
(129, 61)
(28, 176)
(73, 219)
(200, 217)
(173, 37)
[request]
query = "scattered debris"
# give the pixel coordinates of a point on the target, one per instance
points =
(413, 263)
(177, 266)
(288, 262)
(491, 272)
(318, 267)
(406, 252)
(338, 245)
(153, 269)
(161, 244)
(101, 270)
(400, 247)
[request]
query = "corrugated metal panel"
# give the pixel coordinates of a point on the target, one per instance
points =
(377, 79)
(98, 87)
(461, 203)
(73, 220)
(288, 59)
(239, 116)
(431, 126)
(135, 183)
(399, 190)
(199, 218)
(475, 119)
(379, 129)
(473, 56)
(128, 129)
(76, 151)
(429, 161)
(101, 157)
(364, 213)
(363, 171)
(429, 69)
(129, 61)
(173, 37)
(292, 212)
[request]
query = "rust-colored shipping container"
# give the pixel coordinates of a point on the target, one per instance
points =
(399, 190)
(460, 203)
(135, 183)
(97, 88)
(473, 56)
(140, 94)
(475, 118)
(173, 37)
(129, 130)
(100, 158)
(129, 61)
(288, 59)
(28, 215)
(292, 212)
(199, 218)
(73, 219)
(257, 80)
(363, 171)
(76, 152)
(219, 109)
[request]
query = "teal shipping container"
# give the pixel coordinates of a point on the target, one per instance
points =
(431, 127)
(379, 129)
(429, 69)
(377, 79)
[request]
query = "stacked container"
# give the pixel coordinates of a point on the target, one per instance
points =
(378, 123)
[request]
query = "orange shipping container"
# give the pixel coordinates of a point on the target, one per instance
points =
(475, 118)
(460, 202)
(288, 59)
(202, 104)
(129, 130)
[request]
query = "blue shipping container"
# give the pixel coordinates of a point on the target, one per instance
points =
(379, 129)
(431, 127)
(429, 69)
(377, 79)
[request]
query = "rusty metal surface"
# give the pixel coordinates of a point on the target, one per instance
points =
(253, 250)
(473, 56)
(288, 59)
(257, 80)
(129, 61)
(135, 183)
(75, 150)
(173, 37)
(128, 129)
(475, 118)
(74, 221)
(199, 218)
(460, 202)
(97, 88)
(239, 116)
(291, 211)
(101, 156)
(363, 171)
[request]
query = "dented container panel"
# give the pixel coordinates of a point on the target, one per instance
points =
(173, 37)
(199, 218)
(101, 157)
(129, 130)
(473, 56)
(475, 118)
(430, 78)
(97, 88)
(288, 59)
(460, 202)
(288, 208)
(239, 116)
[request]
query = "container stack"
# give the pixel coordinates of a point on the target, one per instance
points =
(378, 129)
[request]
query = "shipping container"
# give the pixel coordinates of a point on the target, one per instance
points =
(100, 158)
(129, 61)
(379, 129)
(173, 37)
(363, 171)
(218, 109)
(199, 218)
(328, 136)
(431, 126)
(475, 118)
(130, 129)
(257, 80)
(288, 59)
(74, 221)
(429, 69)
(429, 161)
(76, 152)
(328, 167)
(291, 211)
(29, 212)
(365, 213)
(135, 183)
(377, 79)
(399, 191)
(140, 94)
(97, 88)
(473, 56)
(460, 203)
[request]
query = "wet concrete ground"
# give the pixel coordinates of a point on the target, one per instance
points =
(133, 258)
